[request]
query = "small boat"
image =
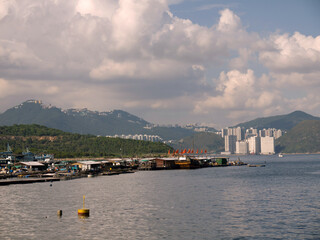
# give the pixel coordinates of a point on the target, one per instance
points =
(256, 165)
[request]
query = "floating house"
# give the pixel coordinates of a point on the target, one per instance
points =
(33, 166)
(221, 161)
(188, 163)
(88, 165)
(147, 164)
(165, 163)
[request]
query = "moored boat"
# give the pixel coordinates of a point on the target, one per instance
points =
(256, 165)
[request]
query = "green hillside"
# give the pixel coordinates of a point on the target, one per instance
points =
(284, 122)
(40, 139)
(303, 138)
(84, 121)
(202, 140)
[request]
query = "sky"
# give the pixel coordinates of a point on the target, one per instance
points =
(216, 63)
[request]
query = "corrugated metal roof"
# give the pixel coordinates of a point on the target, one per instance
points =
(33, 164)
(170, 159)
(90, 163)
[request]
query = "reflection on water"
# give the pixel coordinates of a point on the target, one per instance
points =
(280, 201)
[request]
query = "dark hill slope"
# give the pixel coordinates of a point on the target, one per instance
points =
(40, 139)
(72, 120)
(284, 122)
(203, 140)
(303, 138)
(84, 121)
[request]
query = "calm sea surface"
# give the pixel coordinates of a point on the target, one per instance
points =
(279, 201)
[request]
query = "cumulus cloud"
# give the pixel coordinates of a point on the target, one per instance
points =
(155, 69)
(16, 54)
(296, 53)
(98, 8)
(135, 54)
(228, 21)
(236, 90)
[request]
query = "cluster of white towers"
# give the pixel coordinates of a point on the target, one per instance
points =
(250, 141)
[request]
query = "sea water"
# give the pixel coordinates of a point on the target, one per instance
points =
(278, 201)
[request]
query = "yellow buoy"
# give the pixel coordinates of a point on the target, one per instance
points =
(83, 211)
(59, 213)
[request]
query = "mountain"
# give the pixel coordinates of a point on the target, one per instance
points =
(40, 139)
(72, 120)
(202, 140)
(303, 138)
(84, 121)
(283, 122)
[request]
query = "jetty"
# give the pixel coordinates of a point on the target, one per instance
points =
(26, 181)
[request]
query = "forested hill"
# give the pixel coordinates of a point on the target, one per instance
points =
(284, 122)
(211, 142)
(30, 130)
(40, 139)
(84, 121)
(303, 138)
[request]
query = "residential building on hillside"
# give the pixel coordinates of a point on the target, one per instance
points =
(230, 143)
(277, 133)
(256, 141)
(224, 132)
(251, 133)
(230, 131)
(145, 137)
(239, 132)
(241, 147)
(254, 145)
(267, 145)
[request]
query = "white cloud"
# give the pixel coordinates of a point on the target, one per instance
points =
(17, 54)
(134, 21)
(5, 6)
(241, 62)
(154, 69)
(233, 90)
(298, 53)
(228, 21)
(135, 54)
(239, 94)
(97, 8)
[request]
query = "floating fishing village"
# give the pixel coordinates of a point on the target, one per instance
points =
(30, 168)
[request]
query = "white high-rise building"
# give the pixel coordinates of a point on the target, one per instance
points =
(267, 145)
(224, 132)
(251, 132)
(239, 132)
(241, 147)
(230, 143)
(254, 145)
(277, 133)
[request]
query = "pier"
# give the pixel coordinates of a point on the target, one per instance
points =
(26, 181)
